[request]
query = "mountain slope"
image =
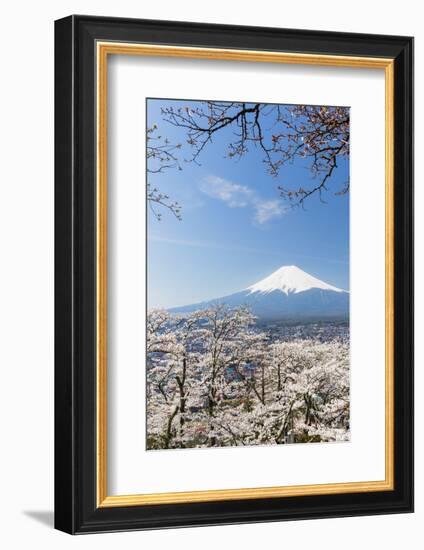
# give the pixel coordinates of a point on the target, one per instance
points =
(287, 294)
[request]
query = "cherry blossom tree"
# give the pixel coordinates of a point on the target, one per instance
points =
(214, 379)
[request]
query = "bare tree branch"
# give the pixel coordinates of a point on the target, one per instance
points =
(160, 156)
(316, 135)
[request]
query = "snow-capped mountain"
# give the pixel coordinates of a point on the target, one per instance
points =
(290, 279)
(287, 294)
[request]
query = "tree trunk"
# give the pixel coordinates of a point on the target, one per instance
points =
(168, 435)
(279, 377)
(263, 384)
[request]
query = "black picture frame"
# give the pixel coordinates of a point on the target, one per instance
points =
(76, 510)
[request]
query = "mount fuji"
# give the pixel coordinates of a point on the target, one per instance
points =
(288, 294)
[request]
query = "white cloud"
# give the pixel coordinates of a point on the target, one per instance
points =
(241, 196)
(233, 194)
(266, 210)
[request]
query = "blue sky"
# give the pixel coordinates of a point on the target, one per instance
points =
(235, 228)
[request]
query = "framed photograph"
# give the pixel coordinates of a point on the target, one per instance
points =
(234, 274)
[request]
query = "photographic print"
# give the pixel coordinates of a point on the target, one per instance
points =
(217, 287)
(247, 274)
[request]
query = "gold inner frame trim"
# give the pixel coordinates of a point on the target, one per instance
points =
(104, 49)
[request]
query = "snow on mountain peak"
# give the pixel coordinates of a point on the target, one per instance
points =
(290, 280)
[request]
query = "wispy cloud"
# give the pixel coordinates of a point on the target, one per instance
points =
(237, 248)
(241, 196)
(233, 194)
(209, 244)
(266, 210)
